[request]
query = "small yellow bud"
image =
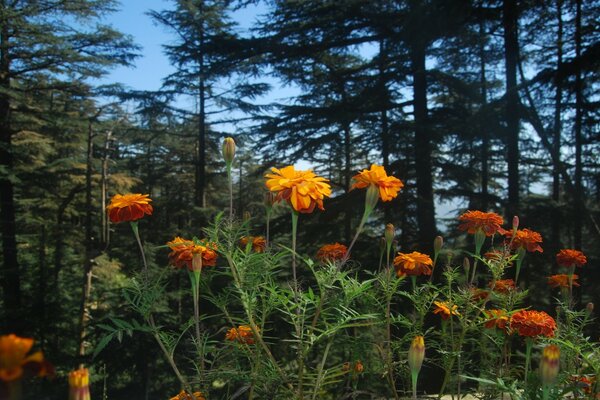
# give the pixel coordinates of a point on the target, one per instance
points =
(550, 364)
(416, 354)
(390, 232)
(228, 150)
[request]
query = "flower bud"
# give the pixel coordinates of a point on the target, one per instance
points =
(79, 384)
(589, 307)
(346, 367)
(390, 232)
(228, 150)
(515, 223)
(466, 265)
(247, 216)
(416, 354)
(372, 198)
(197, 262)
(438, 243)
(358, 367)
(550, 364)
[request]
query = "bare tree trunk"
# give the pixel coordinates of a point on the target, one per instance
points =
(577, 217)
(509, 22)
(485, 141)
(105, 238)
(42, 278)
(556, 220)
(385, 134)
(200, 200)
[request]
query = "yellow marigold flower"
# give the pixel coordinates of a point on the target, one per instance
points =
(412, 264)
(129, 207)
(242, 334)
(444, 309)
(332, 252)
(14, 361)
(302, 189)
(388, 186)
(184, 396)
(79, 384)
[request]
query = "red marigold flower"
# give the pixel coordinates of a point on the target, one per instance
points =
(14, 361)
(183, 250)
(302, 189)
(241, 334)
(571, 258)
(503, 285)
(259, 244)
(412, 264)
(444, 309)
(562, 280)
(185, 396)
(488, 222)
(526, 238)
(332, 252)
(388, 186)
(532, 323)
(496, 319)
(129, 207)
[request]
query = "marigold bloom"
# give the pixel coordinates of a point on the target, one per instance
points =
(183, 250)
(332, 252)
(259, 244)
(129, 207)
(532, 323)
(302, 189)
(571, 258)
(184, 396)
(526, 238)
(503, 285)
(14, 361)
(444, 309)
(496, 319)
(479, 294)
(412, 264)
(358, 367)
(584, 383)
(549, 364)
(79, 384)
(488, 222)
(562, 280)
(242, 334)
(388, 186)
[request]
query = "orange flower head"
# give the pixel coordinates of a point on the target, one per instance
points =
(388, 186)
(14, 361)
(583, 383)
(358, 367)
(183, 395)
(183, 250)
(332, 252)
(129, 207)
(562, 280)
(487, 222)
(412, 264)
(479, 294)
(527, 239)
(549, 364)
(302, 189)
(241, 334)
(496, 319)
(444, 310)
(571, 258)
(259, 244)
(532, 323)
(503, 286)
(79, 384)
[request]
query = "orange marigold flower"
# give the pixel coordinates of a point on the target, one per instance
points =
(388, 186)
(526, 238)
(412, 264)
(79, 384)
(571, 258)
(358, 367)
(183, 250)
(532, 323)
(242, 334)
(496, 319)
(14, 361)
(562, 280)
(332, 252)
(302, 189)
(259, 244)
(185, 396)
(503, 285)
(129, 207)
(488, 222)
(444, 309)
(479, 294)
(584, 383)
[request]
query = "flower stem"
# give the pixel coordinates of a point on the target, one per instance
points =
(230, 181)
(195, 280)
(528, 346)
(136, 233)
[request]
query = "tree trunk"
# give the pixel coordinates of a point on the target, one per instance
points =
(201, 141)
(509, 21)
(485, 141)
(423, 162)
(556, 219)
(385, 134)
(577, 215)
(42, 279)
(11, 282)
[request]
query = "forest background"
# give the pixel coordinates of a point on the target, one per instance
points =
(489, 105)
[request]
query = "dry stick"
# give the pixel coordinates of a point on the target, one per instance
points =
(150, 318)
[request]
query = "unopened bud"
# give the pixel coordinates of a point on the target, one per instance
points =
(589, 307)
(358, 367)
(197, 262)
(79, 384)
(390, 232)
(247, 216)
(466, 265)
(438, 243)
(550, 364)
(228, 150)
(515, 223)
(372, 198)
(416, 354)
(346, 367)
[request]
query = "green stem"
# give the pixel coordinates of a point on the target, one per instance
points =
(321, 368)
(230, 181)
(388, 323)
(528, 346)
(136, 233)
(195, 280)
(414, 377)
(294, 236)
